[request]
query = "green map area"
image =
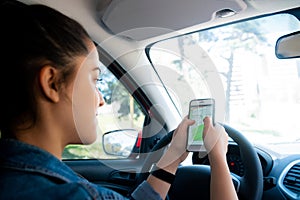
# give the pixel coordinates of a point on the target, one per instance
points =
(197, 132)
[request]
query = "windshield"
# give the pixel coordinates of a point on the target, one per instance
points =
(255, 92)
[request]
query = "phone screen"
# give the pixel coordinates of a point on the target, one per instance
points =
(199, 109)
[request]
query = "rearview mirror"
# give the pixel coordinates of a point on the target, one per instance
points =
(288, 46)
(119, 142)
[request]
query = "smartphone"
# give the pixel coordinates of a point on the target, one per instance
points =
(198, 110)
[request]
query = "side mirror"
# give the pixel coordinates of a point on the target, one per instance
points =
(288, 46)
(119, 142)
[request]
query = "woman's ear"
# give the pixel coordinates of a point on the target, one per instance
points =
(48, 82)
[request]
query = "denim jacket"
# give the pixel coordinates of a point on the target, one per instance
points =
(28, 172)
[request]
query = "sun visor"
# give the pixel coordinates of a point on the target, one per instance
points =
(130, 17)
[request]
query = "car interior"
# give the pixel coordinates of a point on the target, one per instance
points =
(156, 56)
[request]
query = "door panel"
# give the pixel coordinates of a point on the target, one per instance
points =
(118, 175)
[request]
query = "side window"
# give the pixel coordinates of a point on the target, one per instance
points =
(120, 120)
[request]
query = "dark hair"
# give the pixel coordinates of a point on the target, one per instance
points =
(32, 36)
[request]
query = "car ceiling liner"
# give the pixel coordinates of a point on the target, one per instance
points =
(126, 16)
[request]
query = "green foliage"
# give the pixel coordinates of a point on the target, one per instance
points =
(113, 91)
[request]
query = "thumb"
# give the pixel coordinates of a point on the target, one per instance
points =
(183, 126)
(186, 122)
(207, 125)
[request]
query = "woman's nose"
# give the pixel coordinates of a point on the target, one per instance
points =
(101, 100)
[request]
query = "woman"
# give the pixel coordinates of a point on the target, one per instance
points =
(49, 69)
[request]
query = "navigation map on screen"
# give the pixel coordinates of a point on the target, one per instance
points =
(198, 113)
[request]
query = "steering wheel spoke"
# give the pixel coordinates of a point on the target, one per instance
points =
(236, 182)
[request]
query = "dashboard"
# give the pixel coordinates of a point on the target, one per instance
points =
(281, 173)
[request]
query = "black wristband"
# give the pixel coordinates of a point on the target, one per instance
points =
(162, 174)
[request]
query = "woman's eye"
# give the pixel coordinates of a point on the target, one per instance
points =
(99, 83)
(99, 80)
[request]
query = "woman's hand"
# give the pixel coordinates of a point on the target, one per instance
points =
(215, 139)
(216, 142)
(174, 155)
(179, 140)
(176, 152)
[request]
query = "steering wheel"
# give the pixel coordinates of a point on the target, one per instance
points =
(194, 181)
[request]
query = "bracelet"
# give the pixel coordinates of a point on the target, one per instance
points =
(162, 174)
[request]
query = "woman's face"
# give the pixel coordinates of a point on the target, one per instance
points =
(86, 98)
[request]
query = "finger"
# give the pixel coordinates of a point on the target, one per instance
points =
(220, 128)
(183, 126)
(211, 134)
(185, 123)
(222, 132)
(207, 125)
(188, 121)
